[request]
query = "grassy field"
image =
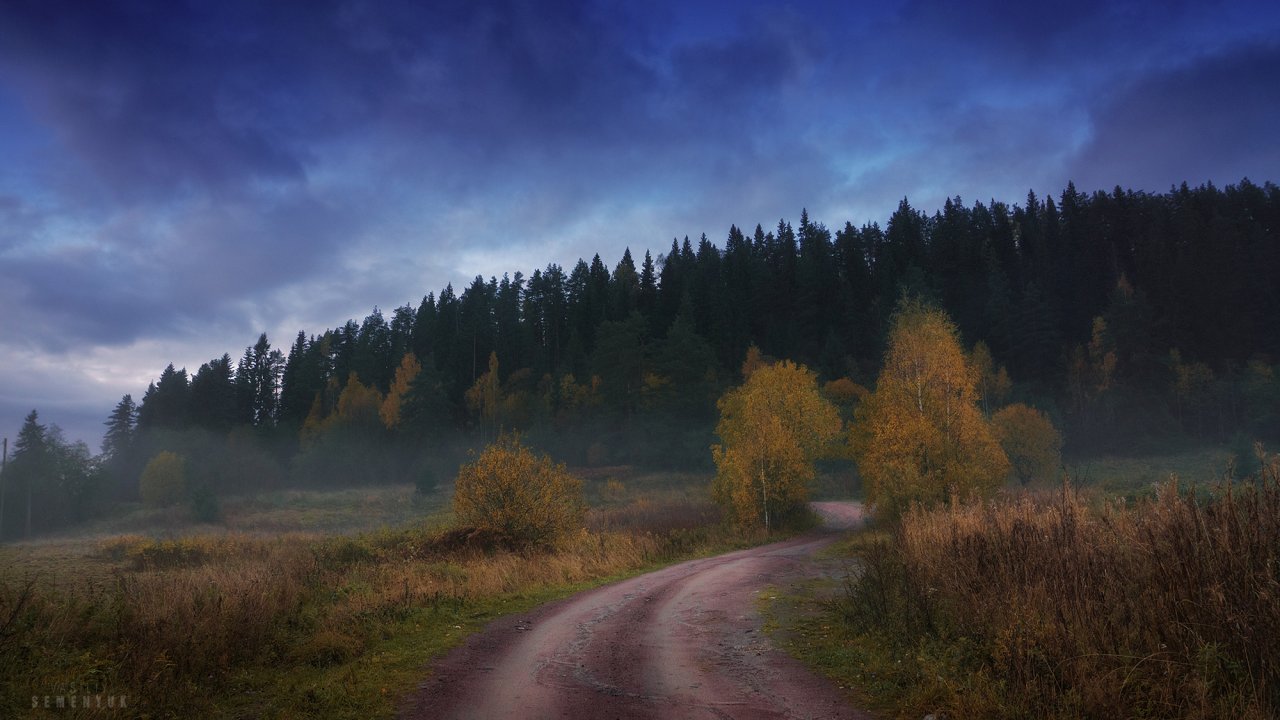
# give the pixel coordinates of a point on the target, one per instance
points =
(1113, 600)
(1134, 477)
(304, 603)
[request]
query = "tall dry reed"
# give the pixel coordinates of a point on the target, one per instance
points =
(1164, 608)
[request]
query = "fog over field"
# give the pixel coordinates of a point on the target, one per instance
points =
(589, 358)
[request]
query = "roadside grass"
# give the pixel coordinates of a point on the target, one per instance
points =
(242, 621)
(795, 621)
(1060, 605)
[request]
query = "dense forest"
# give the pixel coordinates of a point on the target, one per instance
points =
(1131, 318)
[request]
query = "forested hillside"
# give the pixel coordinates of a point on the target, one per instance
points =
(1129, 317)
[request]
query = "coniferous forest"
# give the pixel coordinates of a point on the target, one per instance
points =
(1132, 319)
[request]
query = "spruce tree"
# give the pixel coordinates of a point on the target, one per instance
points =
(212, 399)
(120, 459)
(624, 294)
(118, 440)
(31, 464)
(165, 403)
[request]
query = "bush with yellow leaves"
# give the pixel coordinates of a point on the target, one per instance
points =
(513, 491)
(1031, 442)
(163, 480)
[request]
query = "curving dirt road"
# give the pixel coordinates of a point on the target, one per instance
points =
(681, 642)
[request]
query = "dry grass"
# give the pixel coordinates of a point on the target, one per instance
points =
(179, 623)
(1050, 607)
(281, 511)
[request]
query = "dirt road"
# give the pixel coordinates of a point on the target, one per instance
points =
(682, 642)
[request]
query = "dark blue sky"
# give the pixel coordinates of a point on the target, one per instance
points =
(177, 177)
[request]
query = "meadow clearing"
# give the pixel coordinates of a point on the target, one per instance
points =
(306, 603)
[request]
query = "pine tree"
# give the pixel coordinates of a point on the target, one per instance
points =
(545, 314)
(342, 350)
(302, 377)
(31, 464)
(647, 299)
(165, 403)
(780, 333)
(424, 324)
(513, 339)
(453, 363)
(402, 321)
(372, 359)
(258, 383)
(739, 297)
(425, 410)
(625, 288)
(478, 332)
(707, 292)
(682, 379)
(817, 293)
(671, 288)
(856, 292)
(618, 362)
(212, 399)
(581, 308)
(118, 440)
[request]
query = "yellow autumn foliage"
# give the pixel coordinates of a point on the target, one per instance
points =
(405, 374)
(994, 384)
(753, 361)
(771, 429)
(358, 405)
(163, 480)
(921, 436)
(1030, 441)
(524, 496)
(484, 398)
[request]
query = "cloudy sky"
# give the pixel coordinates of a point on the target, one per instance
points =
(177, 177)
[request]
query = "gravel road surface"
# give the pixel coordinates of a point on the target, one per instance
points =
(681, 642)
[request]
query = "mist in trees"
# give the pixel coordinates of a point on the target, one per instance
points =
(47, 481)
(1126, 318)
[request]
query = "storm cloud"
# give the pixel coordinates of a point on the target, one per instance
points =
(182, 176)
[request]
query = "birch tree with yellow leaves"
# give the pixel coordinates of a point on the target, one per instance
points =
(921, 435)
(771, 429)
(405, 375)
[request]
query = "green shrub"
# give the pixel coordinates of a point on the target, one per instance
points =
(342, 550)
(1030, 441)
(204, 505)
